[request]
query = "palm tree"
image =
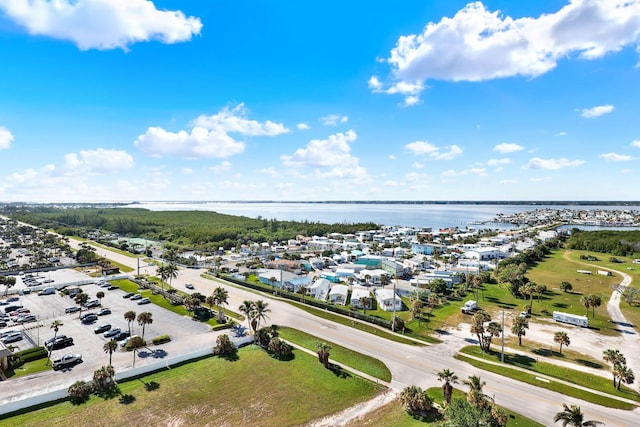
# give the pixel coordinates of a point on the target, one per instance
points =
(566, 286)
(130, 316)
(475, 396)
(55, 325)
(615, 357)
(261, 310)
(273, 281)
(324, 351)
(110, 347)
(561, 338)
(573, 417)
(247, 309)
(449, 378)
(365, 302)
(220, 298)
(81, 299)
(528, 290)
(164, 275)
(415, 400)
(134, 344)
(596, 302)
(586, 301)
(519, 327)
(540, 289)
(100, 295)
(172, 272)
(625, 375)
(144, 319)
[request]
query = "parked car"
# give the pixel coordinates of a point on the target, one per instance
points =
(136, 297)
(126, 340)
(72, 309)
(121, 336)
(13, 299)
(59, 342)
(12, 307)
(3, 323)
(102, 328)
(25, 318)
(47, 291)
(49, 281)
(66, 361)
(128, 295)
(524, 314)
(188, 286)
(104, 284)
(144, 301)
(112, 333)
(25, 291)
(20, 311)
(12, 336)
(89, 318)
(112, 287)
(92, 303)
(103, 311)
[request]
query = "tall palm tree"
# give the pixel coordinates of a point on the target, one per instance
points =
(220, 298)
(100, 295)
(261, 310)
(561, 338)
(625, 375)
(616, 358)
(475, 396)
(247, 309)
(135, 343)
(164, 275)
(324, 351)
(572, 416)
(144, 319)
(172, 272)
(81, 299)
(586, 301)
(55, 325)
(110, 347)
(130, 316)
(596, 301)
(519, 328)
(415, 400)
(365, 302)
(449, 378)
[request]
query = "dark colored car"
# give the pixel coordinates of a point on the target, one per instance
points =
(112, 333)
(59, 342)
(121, 336)
(112, 287)
(128, 295)
(89, 318)
(104, 310)
(102, 328)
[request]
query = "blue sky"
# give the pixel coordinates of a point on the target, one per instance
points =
(124, 100)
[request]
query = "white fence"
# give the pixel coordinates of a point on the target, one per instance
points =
(12, 406)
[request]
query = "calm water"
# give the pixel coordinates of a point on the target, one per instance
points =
(410, 215)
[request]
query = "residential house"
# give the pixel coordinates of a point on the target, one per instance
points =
(387, 299)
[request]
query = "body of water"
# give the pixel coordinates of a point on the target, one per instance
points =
(435, 216)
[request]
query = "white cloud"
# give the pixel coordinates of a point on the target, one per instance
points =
(303, 126)
(186, 171)
(409, 90)
(498, 162)
(600, 110)
(101, 24)
(552, 164)
(223, 166)
(561, 133)
(271, 171)
(333, 151)
(450, 173)
(424, 148)
(615, 157)
(374, 84)
(333, 119)
(477, 44)
(635, 143)
(625, 171)
(410, 101)
(98, 161)
(392, 157)
(208, 137)
(417, 165)
(505, 148)
(6, 138)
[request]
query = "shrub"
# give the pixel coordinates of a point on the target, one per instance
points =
(161, 339)
(79, 392)
(224, 346)
(279, 348)
(28, 355)
(127, 347)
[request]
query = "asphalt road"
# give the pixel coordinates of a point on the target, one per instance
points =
(409, 365)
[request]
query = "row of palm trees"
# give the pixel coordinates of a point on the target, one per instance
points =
(255, 312)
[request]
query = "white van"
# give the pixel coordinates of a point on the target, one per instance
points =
(47, 291)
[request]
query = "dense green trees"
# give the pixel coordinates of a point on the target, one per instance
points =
(613, 242)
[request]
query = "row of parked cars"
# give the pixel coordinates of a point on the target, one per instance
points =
(136, 297)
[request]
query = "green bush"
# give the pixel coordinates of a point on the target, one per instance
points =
(28, 355)
(161, 339)
(127, 347)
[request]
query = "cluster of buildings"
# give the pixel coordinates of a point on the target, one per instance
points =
(590, 217)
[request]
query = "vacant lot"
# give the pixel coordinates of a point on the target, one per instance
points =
(254, 390)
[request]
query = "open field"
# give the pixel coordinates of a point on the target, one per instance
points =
(393, 415)
(254, 390)
(353, 359)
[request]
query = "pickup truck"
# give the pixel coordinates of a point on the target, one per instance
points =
(66, 361)
(59, 342)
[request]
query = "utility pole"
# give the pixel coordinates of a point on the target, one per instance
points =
(502, 356)
(393, 323)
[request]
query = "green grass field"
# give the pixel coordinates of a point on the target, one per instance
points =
(254, 390)
(367, 364)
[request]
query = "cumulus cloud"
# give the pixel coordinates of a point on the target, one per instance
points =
(223, 166)
(505, 148)
(635, 143)
(333, 151)
(552, 164)
(6, 138)
(98, 161)
(418, 165)
(333, 119)
(410, 90)
(477, 44)
(561, 133)
(498, 162)
(303, 126)
(615, 157)
(209, 136)
(101, 24)
(427, 149)
(593, 112)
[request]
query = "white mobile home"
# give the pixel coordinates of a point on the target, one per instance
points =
(357, 294)
(572, 319)
(386, 299)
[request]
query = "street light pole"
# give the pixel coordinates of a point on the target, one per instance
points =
(393, 323)
(502, 356)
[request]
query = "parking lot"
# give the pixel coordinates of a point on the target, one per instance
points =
(49, 308)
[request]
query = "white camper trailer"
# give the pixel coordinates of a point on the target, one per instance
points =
(572, 319)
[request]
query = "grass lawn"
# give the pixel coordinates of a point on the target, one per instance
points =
(29, 368)
(367, 364)
(557, 387)
(393, 415)
(595, 382)
(549, 352)
(254, 390)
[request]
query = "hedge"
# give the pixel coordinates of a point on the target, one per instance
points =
(315, 303)
(161, 339)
